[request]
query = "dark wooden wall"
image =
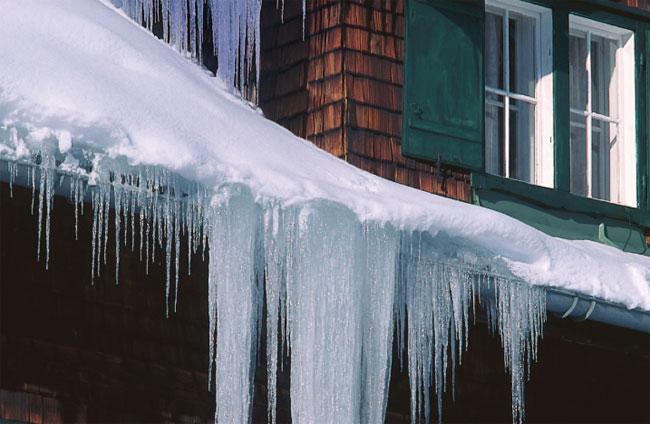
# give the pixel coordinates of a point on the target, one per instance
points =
(75, 352)
(72, 351)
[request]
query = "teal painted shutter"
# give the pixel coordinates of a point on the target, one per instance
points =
(443, 82)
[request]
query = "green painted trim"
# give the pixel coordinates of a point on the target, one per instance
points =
(559, 200)
(443, 113)
(644, 111)
(605, 5)
(602, 236)
(562, 127)
(565, 223)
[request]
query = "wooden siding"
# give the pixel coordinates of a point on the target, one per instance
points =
(341, 87)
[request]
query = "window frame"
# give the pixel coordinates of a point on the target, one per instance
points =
(543, 160)
(558, 199)
(626, 171)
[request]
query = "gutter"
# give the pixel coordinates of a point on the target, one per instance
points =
(565, 304)
(562, 303)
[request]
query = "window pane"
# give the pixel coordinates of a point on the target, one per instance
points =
(522, 54)
(578, 71)
(603, 142)
(522, 140)
(494, 134)
(603, 83)
(493, 50)
(578, 149)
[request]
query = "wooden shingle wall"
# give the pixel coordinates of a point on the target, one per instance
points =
(373, 74)
(341, 87)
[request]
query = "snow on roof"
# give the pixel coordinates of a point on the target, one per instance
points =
(81, 72)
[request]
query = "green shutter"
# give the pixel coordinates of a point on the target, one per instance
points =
(443, 82)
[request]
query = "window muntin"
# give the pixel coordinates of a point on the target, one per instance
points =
(602, 143)
(518, 69)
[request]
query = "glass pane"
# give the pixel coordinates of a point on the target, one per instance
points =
(578, 149)
(603, 83)
(578, 71)
(522, 54)
(603, 142)
(522, 141)
(493, 50)
(494, 134)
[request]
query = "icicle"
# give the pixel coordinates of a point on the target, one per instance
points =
(12, 167)
(106, 200)
(232, 293)
(177, 250)
(324, 313)
(521, 312)
(167, 221)
(275, 251)
(304, 14)
(94, 200)
(235, 32)
(41, 200)
(438, 298)
(134, 196)
(117, 199)
(100, 227)
(189, 219)
(125, 216)
(76, 185)
(49, 203)
(381, 243)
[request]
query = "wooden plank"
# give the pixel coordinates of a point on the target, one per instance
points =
(376, 67)
(371, 118)
(374, 93)
(324, 92)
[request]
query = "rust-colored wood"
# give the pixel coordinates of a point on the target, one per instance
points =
(350, 66)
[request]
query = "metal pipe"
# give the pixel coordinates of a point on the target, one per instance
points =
(565, 304)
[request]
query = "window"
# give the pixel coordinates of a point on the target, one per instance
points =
(603, 151)
(554, 94)
(518, 79)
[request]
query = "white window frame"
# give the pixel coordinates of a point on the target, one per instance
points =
(625, 190)
(544, 174)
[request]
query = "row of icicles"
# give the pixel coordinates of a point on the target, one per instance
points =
(235, 32)
(335, 291)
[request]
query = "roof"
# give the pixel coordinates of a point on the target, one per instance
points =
(80, 79)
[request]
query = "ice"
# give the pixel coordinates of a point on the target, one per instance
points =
(324, 312)
(233, 300)
(235, 31)
(520, 315)
(276, 236)
(378, 302)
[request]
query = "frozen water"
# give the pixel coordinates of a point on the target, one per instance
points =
(233, 299)
(235, 31)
